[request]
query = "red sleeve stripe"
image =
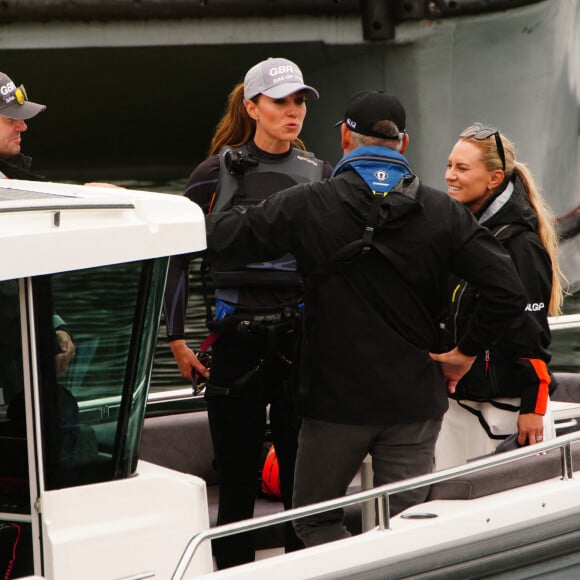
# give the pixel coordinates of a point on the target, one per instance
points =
(543, 375)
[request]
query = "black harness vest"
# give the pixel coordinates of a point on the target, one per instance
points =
(244, 181)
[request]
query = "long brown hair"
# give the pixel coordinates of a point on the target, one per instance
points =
(236, 127)
(546, 220)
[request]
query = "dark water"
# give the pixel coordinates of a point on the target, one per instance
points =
(565, 343)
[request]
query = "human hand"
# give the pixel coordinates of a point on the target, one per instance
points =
(102, 184)
(68, 351)
(454, 365)
(530, 428)
(186, 360)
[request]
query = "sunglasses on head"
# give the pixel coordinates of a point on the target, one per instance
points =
(19, 93)
(481, 133)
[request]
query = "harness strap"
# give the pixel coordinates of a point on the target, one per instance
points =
(372, 220)
(209, 340)
(204, 288)
(363, 245)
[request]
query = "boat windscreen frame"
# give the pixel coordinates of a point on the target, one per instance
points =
(122, 466)
(60, 407)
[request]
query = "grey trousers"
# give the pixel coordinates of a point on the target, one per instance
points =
(330, 454)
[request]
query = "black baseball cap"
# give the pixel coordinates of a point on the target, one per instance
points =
(365, 108)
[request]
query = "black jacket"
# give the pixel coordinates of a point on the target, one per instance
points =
(370, 324)
(510, 368)
(18, 167)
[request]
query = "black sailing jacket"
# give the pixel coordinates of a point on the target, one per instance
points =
(370, 324)
(18, 167)
(508, 368)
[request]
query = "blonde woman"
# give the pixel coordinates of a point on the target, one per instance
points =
(484, 175)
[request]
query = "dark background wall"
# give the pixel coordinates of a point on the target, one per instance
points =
(138, 112)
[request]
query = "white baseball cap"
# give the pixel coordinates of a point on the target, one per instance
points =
(276, 78)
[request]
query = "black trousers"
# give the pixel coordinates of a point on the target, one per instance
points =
(237, 423)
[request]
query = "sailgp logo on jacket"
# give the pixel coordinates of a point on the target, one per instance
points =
(534, 306)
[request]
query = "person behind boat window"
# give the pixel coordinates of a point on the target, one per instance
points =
(252, 361)
(484, 175)
(374, 246)
(11, 377)
(15, 110)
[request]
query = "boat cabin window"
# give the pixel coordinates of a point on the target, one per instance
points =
(90, 406)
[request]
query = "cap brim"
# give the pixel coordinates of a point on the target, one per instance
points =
(25, 111)
(286, 89)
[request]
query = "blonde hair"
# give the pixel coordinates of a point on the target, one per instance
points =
(546, 220)
(236, 127)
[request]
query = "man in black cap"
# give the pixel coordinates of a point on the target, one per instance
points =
(374, 247)
(15, 109)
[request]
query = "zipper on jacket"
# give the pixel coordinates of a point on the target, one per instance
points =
(487, 361)
(457, 306)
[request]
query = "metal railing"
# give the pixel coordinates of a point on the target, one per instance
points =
(564, 321)
(381, 495)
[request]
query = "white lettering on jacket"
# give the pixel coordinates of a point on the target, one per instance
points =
(534, 306)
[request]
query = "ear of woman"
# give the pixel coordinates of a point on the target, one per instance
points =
(496, 178)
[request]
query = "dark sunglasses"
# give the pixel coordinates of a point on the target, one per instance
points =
(481, 133)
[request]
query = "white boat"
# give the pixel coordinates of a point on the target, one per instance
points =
(77, 499)
(74, 500)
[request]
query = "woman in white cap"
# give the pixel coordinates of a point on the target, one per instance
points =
(255, 152)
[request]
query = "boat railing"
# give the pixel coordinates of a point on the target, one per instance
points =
(564, 321)
(381, 495)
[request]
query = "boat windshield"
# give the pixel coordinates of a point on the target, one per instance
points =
(89, 342)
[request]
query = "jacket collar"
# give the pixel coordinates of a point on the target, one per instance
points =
(381, 168)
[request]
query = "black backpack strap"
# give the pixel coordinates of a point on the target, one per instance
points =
(353, 249)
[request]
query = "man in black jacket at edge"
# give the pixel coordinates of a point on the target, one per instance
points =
(374, 247)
